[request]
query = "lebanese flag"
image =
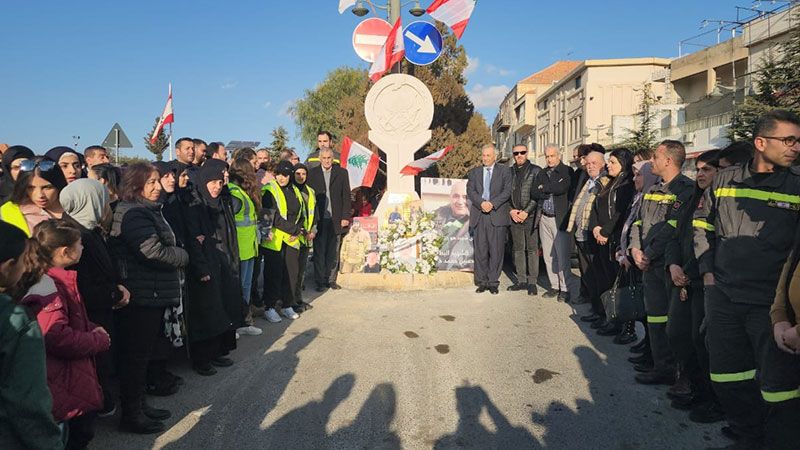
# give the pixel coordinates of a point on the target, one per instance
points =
(454, 13)
(166, 117)
(393, 51)
(415, 167)
(344, 4)
(360, 162)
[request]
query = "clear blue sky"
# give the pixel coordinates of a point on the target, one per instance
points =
(75, 68)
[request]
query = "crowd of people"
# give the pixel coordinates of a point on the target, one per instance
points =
(714, 257)
(106, 271)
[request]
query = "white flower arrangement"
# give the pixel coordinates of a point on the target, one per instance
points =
(420, 226)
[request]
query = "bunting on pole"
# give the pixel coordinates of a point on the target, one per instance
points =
(453, 13)
(166, 117)
(415, 167)
(360, 162)
(392, 52)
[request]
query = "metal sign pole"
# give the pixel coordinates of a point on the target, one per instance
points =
(116, 143)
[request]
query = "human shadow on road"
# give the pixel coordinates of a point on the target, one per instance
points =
(235, 414)
(372, 427)
(470, 433)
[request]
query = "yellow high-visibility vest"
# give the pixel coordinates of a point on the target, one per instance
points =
(280, 237)
(246, 226)
(11, 214)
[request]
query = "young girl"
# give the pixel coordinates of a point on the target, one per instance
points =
(71, 340)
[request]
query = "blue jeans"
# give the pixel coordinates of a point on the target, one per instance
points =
(246, 276)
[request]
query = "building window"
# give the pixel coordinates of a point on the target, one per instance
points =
(578, 82)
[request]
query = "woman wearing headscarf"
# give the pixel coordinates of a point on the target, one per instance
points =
(12, 158)
(86, 207)
(68, 160)
(213, 305)
(310, 225)
(35, 195)
(643, 179)
(110, 176)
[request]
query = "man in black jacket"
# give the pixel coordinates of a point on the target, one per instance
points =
(332, 187)
(324, 139)
(552, 189)
(524, 226)
(489, 191)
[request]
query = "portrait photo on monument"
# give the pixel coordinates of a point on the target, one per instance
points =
(447, 199)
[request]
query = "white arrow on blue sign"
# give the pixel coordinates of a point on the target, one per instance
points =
(423, 43)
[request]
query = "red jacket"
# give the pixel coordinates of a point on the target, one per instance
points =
(70, 344)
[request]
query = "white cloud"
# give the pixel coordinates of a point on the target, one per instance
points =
(229, 84)
(472, 65)
(487, 96)
(267, 105)
(494, 70)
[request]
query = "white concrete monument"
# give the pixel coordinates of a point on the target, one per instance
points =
(399, 110)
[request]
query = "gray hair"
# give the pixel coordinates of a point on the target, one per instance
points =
(325, 150)
(553, 146)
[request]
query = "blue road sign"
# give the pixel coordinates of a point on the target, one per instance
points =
(423, 43)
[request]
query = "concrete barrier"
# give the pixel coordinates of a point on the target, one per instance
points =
(404, 281)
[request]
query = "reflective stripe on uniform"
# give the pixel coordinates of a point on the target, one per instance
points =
(673, 223)
(638, 222)
(733, 377)
(757, 195)
(280, 237)
(776, 397)
(661, 198)
(657, 319)
(245, 220)
(703, 224)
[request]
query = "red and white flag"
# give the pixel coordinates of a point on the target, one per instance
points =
(360, 162)
(454, 13)
(415, 167)
(393, 51)
(344, 4)
(166, 117)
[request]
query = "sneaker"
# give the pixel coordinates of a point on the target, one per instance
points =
(249, 331)
(289, 313)
(272, 316)
(237, 335)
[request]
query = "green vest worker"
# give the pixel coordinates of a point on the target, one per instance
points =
(282, 207)
(309, 206)
(245, 204)
(743, 232)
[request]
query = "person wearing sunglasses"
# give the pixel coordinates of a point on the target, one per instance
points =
(68, 160)
(12, 158)
(35, 195)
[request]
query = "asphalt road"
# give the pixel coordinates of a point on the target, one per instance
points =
(434, 369)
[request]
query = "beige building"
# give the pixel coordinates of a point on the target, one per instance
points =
(584, 106)
(515, 122)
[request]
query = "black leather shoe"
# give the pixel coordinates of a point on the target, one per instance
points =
(155, 413)
(551, 293)
(481, 289)
(334, 286)
(625, 338)
(643, 367)
(204, 369)
(494, 290)
(707, 412)
(654, 377)
(161, 389)
(641, 347)
(684, 403)
(562, 297)
(222, 362)
(532, 290)
(611, 329)
(597, 324)
(141, 425)
(591, 317)
(517, 287)
(641, 358)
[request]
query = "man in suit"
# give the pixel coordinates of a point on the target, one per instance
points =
(332, 187)
(489, 190)
(552, 189)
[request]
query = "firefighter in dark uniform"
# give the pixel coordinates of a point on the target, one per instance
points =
(661, 207)
(743, 232)
(687, 309)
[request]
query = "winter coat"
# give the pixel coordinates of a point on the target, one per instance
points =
(26, 419)
(71, 343)
(146, 254)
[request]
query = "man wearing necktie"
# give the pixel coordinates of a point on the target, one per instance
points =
(489, 191)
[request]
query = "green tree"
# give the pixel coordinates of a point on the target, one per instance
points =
(280, 139)
(776, 85)
(157, 148)
(643, 138)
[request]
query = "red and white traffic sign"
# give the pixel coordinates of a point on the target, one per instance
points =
(369, 37)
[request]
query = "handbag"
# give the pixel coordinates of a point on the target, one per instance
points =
(624, 304)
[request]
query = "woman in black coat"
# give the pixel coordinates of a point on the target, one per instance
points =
(149, 264)
(609, 211)
(213, 305)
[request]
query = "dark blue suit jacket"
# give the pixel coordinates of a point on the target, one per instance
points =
(500, 195)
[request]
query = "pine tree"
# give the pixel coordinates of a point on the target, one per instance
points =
(157, 148)
(643, 138)
(280, 139)
(776, 85)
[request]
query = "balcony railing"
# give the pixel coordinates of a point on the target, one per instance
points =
(698, 124)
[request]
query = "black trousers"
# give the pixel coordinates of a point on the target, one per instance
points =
(326, 253)
(686, 339)
(80, 431)
(780, 385)
(138, 329)
(256, 296)
(738, 335)
(597, 273)
(302, 263)
(281, 269)
(525, 241)
(202, 352)
(656, 303)
(489, 242)
(105, 360)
